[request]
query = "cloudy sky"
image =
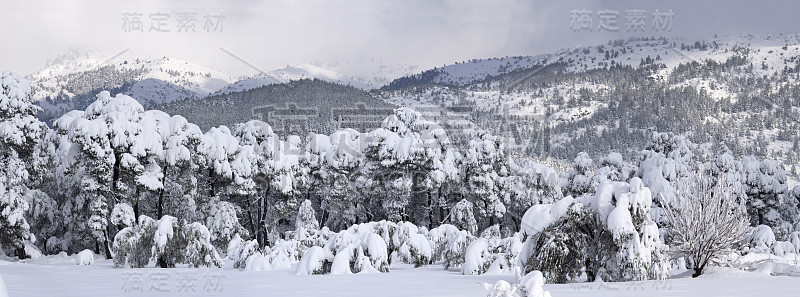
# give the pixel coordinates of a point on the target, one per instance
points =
(427, 33)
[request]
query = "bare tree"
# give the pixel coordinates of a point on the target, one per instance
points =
(706, 220)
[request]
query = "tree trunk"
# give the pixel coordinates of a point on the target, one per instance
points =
(160, 208)
(115, 176)
(108, 248)
(442, 209)
(136, 210)
(430, 208)
(250, 218)
(162, 263)
(697, 272)
(21, 252)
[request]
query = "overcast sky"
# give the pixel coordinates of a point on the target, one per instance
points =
(272, 34)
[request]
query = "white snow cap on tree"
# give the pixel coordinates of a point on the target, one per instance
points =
(122, 215)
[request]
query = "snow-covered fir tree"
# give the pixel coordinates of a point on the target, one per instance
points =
(20, 133)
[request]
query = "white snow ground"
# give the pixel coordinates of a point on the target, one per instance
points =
(59, 276)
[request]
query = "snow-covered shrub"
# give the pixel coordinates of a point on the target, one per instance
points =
(312, 262)
(492, 233)
(439, 238)
(477, 257)
(530, 285)
(781, 248)
(552, 244)
(345, 260)
(278, 259)
(416, 250)
(512, 246)
(560, 249)
(578, 181)
(244, 251)
(199, 251)
(365, 266)
(455, 250)
(133, 245)
(765, 183)
(233, 246)
(762, 239)
(31, 251)
(167, 242)
(257, 262)
(386, 229)
(706, 222)
(608, 235)
(307, 230)
(794, 238)
(85, 257)
(376, 251)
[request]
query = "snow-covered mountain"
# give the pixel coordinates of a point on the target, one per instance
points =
(154, 81)
(376, 73)
(737, 94)
(293, 73)
(464, 73)
(769, 53)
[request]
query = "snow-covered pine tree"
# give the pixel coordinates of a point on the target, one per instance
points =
(307, 226)
(105, 134)
(578, 180)
(765, 182)
(609, 235)
(665, 160)
(20, 133)
(485, 166)
(463, 218)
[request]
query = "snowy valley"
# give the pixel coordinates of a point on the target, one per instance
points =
(657, 166)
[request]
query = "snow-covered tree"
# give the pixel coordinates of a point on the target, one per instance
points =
(613, 168)
(20, 132)
(485, 168)
(707, 221)
(306, 226)
(340, 158)
(463, 218)
(106, 134)
(122, 216)
(765, 182)
(166, 243)
(665, 160)
(609, 235)
(223, 222)
(578, 181)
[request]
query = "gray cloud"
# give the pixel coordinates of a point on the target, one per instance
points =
(272, 34)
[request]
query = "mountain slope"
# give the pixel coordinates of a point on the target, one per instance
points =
(295, 107)
(737, 94)
(292, 73)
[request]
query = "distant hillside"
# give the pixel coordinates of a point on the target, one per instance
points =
(737, 94)
(294, 107)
